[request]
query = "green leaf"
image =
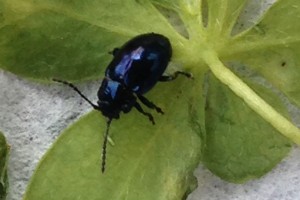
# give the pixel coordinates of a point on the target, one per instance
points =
(214, 44)
(70, 39)
(240, 145)
(222, 17)
(4, 151)
(170, 4)
(272, 48)
(146, 162)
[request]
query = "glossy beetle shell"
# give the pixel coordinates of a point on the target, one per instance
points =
(140, 62)
(136, 67)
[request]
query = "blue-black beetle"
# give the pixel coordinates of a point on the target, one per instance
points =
(136, 67)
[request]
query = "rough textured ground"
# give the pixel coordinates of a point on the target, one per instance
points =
(32, 116)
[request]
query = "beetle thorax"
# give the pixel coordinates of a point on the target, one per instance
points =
(113, 97)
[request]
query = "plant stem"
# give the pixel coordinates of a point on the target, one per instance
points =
(254, 101)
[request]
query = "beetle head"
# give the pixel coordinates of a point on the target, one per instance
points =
(114, 98)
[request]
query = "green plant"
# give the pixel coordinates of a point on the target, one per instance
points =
(233, 127)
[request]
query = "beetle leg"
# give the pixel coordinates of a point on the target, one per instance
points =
(140, 109)
(114, 51)
(78, 91)
(149, 104)
(165, 78)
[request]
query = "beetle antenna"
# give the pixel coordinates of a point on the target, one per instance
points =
(104, 144)
(77, 90)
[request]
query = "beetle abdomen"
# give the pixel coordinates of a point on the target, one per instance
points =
(141, 62)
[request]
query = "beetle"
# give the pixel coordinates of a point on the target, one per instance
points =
(134, 70)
